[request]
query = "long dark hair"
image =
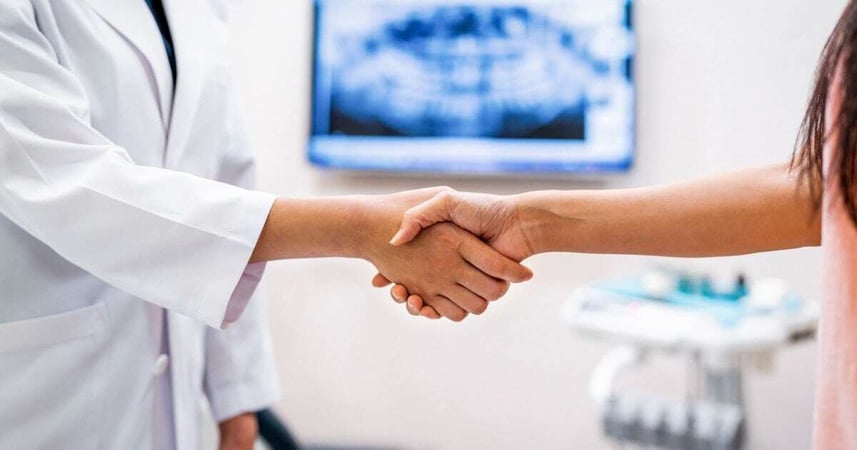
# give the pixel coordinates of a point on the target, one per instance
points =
(808, 160)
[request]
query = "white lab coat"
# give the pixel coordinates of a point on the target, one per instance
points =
(109, 213)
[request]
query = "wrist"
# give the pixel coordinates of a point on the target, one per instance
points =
(530, 220)
(372, 223)
(549, 221)
(373, 220)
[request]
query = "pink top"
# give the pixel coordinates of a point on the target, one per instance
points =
(835, 424)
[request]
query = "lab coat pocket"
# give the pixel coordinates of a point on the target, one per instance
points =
(50, 390)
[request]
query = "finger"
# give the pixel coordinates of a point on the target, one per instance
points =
(485, 286)
(488, 260)
(447, 308)
(437, 209)
(380, 281)
(412, 309)
(466, 299)
(429, 313)
(416, 302)
(399, 293)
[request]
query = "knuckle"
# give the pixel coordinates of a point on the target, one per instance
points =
(444, 193)
(409, 215)
(446, 235)
(445, 197)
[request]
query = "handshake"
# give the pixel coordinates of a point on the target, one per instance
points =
(454, 252)
(451, 253)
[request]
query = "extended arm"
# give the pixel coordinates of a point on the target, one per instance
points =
(753, 210)
(350, 226)
(758, 209)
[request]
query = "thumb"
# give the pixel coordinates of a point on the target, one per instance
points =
(408, 230)
(435, 210)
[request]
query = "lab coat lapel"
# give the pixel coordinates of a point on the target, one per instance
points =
(133, 20)
(190, 48)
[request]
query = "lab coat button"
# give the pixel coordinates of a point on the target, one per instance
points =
(161, 364)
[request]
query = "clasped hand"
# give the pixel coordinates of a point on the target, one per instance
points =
(481, 242)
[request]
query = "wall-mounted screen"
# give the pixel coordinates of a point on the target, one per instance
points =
(476, 87)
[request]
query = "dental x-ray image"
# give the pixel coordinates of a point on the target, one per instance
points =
(498, 81)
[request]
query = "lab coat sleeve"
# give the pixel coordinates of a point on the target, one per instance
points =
(240, 371)
(238, 167)
(173, 239)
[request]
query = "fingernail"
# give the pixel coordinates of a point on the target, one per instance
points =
(529, 274)
(396, 238)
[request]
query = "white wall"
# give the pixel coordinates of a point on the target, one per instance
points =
(722, 84)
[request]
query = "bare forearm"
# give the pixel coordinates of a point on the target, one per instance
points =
(754, 210)
(319, 227)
